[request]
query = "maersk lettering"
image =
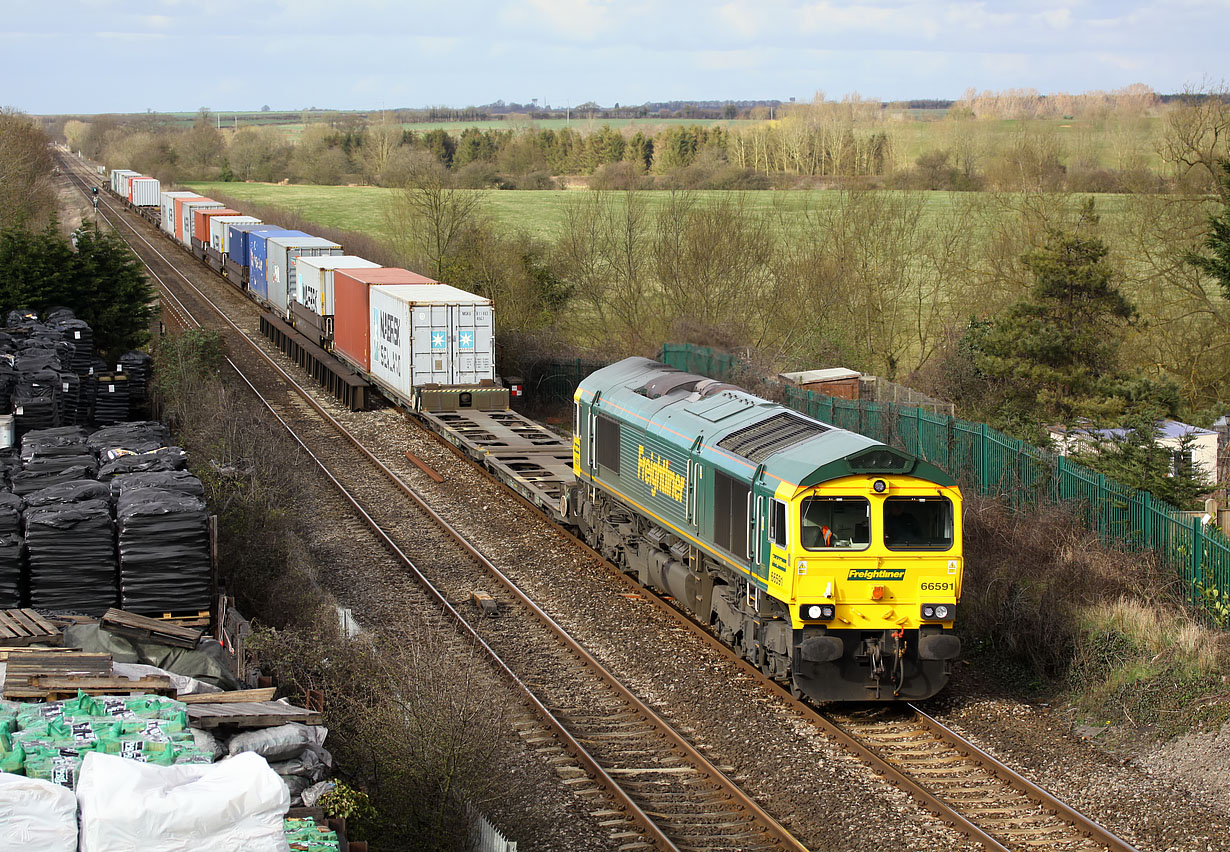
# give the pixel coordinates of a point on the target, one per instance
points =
(390, 328)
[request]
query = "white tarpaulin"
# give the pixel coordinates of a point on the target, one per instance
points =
(36, 814)
(235, 804)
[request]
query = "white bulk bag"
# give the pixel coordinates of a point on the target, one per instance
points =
(236, 804)
(36, 814)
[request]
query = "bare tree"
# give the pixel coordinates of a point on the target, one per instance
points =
(428, 216)
(1197, 135)
(25, 171)
(380, 143)
(606, 251)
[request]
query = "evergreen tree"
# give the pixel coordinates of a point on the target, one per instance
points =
(102, 281)
(1217, 262)
(1053, 357)
(120, 305)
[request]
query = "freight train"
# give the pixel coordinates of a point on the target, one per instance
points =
(829, 560)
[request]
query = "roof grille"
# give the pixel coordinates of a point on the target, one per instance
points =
(761, 440)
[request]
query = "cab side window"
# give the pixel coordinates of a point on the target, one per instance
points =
(777, 523)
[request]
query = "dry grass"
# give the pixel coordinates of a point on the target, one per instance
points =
(1057, 611)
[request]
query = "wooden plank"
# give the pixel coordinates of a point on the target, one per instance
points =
(7, 653)
(151, 629)
(59, 683)
(263, 714)
(234, 696)
(10, 628)
(24, 621)
(57, 636)
(42, 662)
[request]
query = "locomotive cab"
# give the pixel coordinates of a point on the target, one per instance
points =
(874, 575)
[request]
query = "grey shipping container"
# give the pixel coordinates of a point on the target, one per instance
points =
(280, 262)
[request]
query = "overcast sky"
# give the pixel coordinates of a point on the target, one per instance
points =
(88, 56)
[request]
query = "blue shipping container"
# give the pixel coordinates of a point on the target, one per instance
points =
(238, 239)
(258, 272)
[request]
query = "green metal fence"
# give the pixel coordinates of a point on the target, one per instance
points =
(550, 382)
(997, 464)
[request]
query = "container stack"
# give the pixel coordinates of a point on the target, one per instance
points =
(11, 546)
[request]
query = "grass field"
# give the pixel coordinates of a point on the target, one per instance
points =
(538, 212)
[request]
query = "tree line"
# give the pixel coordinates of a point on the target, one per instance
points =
(848, 142)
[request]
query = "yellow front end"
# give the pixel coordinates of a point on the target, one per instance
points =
(887, 559)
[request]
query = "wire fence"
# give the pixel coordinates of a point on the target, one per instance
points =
(997, 464)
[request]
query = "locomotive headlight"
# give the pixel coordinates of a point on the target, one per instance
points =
(879, 486)
(941, 612)
(818, 612)
(928, 611)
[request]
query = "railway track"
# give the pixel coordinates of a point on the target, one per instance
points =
(602, 740)
(950, 777)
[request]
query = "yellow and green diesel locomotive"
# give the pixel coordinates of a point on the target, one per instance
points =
(831, 561)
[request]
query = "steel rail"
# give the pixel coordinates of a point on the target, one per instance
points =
(769, 825)
(1032, 791)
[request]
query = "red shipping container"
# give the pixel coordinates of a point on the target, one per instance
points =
(351, 336)
(179, 214)
(200, 220)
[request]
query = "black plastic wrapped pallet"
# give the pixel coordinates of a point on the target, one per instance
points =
(166, 480)
(163, 551)
(137, 366)
(28, 481)
(36, 401)
(70, 551)
(78, 333)
(138, 436)
(13, 580)
(166, 458)
(111, 398)
(53, 442)
(66, 493)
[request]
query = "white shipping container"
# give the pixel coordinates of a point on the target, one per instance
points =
(430, 334)
(168, 209)
(220, 231)
(187, 208)
(146, 192)
(117, 175)
(315, 279)
(280, 263)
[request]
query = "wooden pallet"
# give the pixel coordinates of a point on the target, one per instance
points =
(51, 676)
(257, 714)
(21, 627)
(146, 629)
(235, 696)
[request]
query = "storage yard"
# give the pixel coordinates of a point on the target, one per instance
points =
(659, 753)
